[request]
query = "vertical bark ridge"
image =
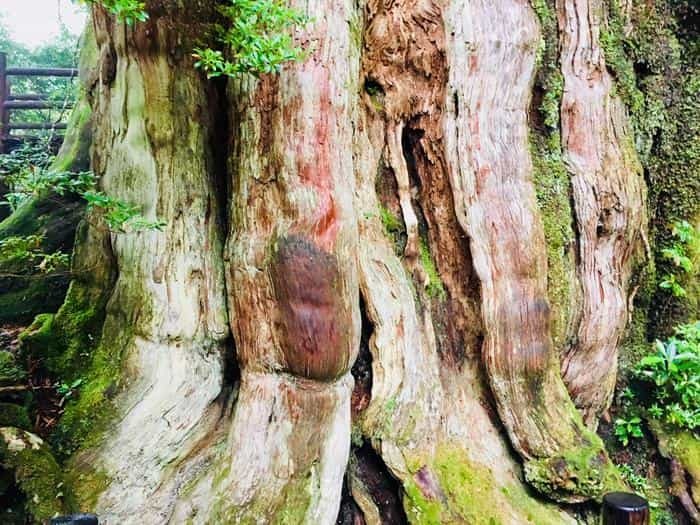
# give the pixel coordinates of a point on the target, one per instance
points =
(397, 59)
(428, 422)
(292, 282)
(609, 201)
(167, 313)
(424, 418)
(492, 58)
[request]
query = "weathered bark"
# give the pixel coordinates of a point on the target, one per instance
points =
(388, 174)
(292, 282)
(495, 197)
(609, 202)
(166, 318)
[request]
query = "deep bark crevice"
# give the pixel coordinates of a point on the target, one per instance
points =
(362, 368)
(385, 491)
(456, 315)
(221, 146)
(350, 513)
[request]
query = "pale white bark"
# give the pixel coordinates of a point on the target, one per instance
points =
(167, 310)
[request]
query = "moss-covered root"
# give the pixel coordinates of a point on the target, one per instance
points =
(10, 371)
(36, 473)
(683, 448)
(455, 490)
(576, 475)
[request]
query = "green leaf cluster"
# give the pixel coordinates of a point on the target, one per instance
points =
(628, 428)
(128, 11)
(20, 252)
(28, 173)
(679, 254)
(120, 216)
(672, 373)
(257, 39)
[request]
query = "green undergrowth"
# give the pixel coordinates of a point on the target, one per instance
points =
(14, 415)
(11, 372)
(654, 61)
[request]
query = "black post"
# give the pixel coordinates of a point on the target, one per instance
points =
(624, 508)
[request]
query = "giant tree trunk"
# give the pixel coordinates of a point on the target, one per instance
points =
(375, 205)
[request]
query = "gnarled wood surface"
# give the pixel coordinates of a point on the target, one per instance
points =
(609, 203)
(167, 312)
(389, 171)
(292, 282)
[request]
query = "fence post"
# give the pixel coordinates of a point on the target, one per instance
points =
(4, 95)
(624, 508)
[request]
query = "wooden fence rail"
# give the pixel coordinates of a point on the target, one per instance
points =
(12, 102)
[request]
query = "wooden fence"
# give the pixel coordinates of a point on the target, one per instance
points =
(10, 102)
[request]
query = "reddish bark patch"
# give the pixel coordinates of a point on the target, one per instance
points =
(312, 316)
(526, 320)
(316, 170)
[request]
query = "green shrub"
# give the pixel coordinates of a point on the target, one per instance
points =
(672, 374)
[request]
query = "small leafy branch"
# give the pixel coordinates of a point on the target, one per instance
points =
(257, 39)
(128, 11)
(21, 252)
(27, 173)
(628, 428)
(120, 216)
(679, 254)
(66, 391)
(636, 482)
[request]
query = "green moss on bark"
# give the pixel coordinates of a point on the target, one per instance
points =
(452, 489)
(75, 343)
(551, 179)
(683, 446)
(36, 473)
(433, 284)
(655, 66)
(288, 507)
(553, 187)
(577, 474)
